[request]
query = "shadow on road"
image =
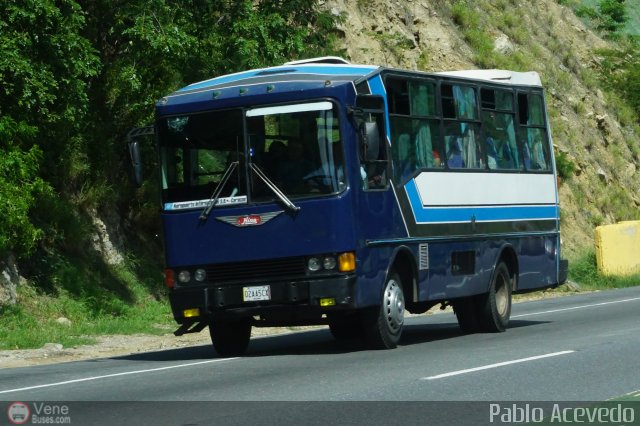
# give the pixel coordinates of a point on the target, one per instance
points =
(317, 342)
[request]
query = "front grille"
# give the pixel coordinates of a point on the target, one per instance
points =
(257, 270)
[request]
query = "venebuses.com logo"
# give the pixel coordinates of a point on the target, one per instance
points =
(19, 413)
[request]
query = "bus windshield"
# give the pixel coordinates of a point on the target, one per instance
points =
(297, 147)
(195, 152)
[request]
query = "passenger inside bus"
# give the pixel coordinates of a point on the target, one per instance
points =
(454, 155)
(275, 158)
(492, 154)
(294, 168)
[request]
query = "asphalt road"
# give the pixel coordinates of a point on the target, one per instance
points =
(574, 348)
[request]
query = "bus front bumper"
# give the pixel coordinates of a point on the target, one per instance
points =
(305, 297)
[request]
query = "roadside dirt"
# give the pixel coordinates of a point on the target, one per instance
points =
(118, 345)
(121, 345)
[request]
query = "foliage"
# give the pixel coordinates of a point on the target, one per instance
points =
(75, 77)
(394, 42)
(44, 70)
(473, 25)
(19, 185)
(610, 16)
(621, 67)
(564, 165)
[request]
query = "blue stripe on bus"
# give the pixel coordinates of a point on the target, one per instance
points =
(481, 214)
(320, 70)
(377, 88)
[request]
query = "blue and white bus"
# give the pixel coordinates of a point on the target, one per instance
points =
(321, 192)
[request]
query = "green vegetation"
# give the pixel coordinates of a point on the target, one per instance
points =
(609, 16)
(76, 76)
(620, 16)
(564, 165)
(584, 271)
(472, 22)
(32, 323)
(394, 43)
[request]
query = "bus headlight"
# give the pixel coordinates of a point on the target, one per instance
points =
(200, 275)
(329, 263)
(313, 264)
(184, 276)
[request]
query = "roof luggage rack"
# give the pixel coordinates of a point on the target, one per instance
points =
(320, 60)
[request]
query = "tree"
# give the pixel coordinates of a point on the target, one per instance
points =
(44, 65)
(610, 16)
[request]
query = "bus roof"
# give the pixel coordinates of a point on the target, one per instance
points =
(530, 78)
(299, 70)
(339, 70)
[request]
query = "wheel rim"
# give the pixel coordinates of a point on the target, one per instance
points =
(502, 295)
(394, 306)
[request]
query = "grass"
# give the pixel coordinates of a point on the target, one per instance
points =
(32, 324)
(95, 298)
(583, 270)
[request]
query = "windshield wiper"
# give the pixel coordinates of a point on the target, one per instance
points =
(216, 192)
(286, 201)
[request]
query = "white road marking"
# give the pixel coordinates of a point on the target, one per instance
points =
(499, 364)
(106, 376)
(575, 307)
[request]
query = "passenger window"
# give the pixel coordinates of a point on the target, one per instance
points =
(536, 153)
(459, 102)
(498, 129)
(463, 147)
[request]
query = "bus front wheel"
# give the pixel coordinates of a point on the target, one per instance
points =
(383, 324)
(230, 338)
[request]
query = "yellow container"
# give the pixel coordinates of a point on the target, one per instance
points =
(618, 248)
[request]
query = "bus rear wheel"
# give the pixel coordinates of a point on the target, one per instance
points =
(383, 324)
(230, 338)
(494, 307)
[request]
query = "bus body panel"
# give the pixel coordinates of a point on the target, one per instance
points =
(321, 226)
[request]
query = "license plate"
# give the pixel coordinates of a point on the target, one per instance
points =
(257, 293)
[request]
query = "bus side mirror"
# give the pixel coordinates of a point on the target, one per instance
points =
(370, 140)
(136, 162)
(133, 140)
(367, 114)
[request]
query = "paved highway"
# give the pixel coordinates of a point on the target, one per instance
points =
(573, 348)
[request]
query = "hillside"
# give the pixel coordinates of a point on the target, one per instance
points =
(590, 131)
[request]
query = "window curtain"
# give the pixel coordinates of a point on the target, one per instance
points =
(465, 101)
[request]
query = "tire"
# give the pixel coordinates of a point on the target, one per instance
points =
(494, 307)
(230, 338)
(383, 324)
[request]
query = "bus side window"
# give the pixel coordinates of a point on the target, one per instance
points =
(533, 133)
(498, 130)
(372, 140)
(375, 171)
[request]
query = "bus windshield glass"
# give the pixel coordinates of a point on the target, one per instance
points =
(195, 152)
(299, 149)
